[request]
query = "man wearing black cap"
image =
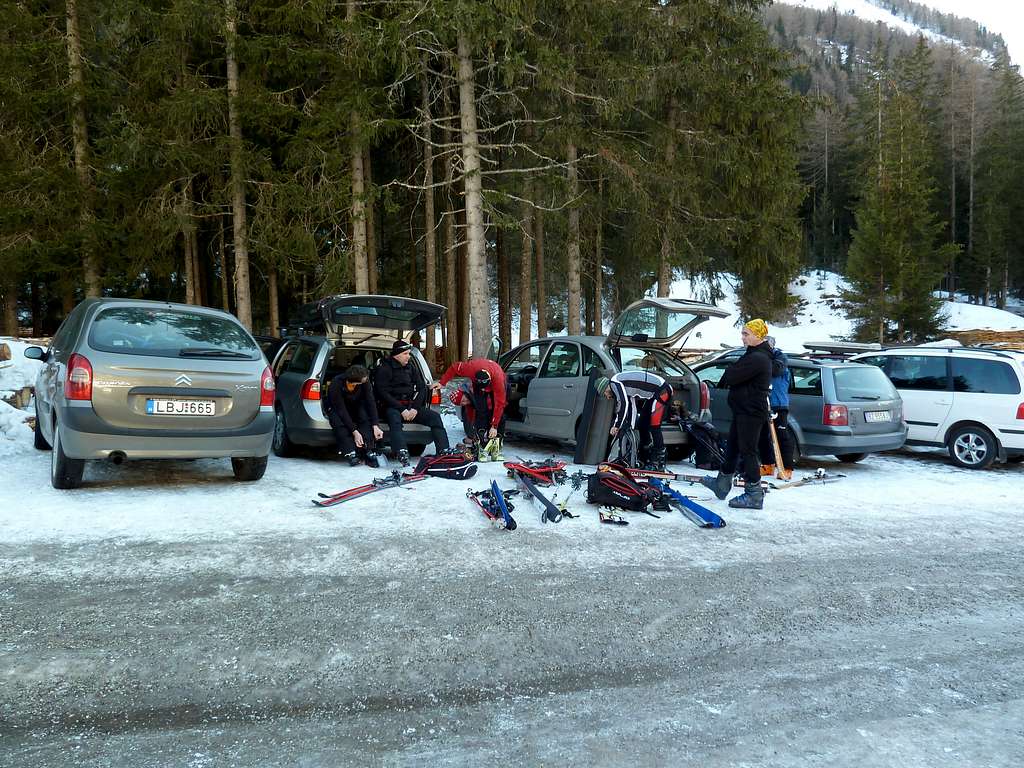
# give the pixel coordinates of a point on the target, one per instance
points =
(403, 392)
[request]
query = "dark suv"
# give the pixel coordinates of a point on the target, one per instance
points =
(329, 336)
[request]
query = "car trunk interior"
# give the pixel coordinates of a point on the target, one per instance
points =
(342, 357)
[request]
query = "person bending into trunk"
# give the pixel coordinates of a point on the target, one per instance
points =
(353, 415)
(641, 398)
(748, 380)
(482, 399)
(403, 392)
(779, 402)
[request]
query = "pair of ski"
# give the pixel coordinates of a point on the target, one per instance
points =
(696, 513)
(395, 480)
(529, 473)
(819, 476)
(495, 505)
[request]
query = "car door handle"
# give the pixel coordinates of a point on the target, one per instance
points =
(568, 386)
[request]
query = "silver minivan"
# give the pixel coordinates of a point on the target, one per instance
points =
(133, 379)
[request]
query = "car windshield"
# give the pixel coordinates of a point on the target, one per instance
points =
(863, 382)
(639, 359)
(162, 332)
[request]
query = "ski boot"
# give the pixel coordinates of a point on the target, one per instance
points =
(470, 449)
(492, 450)
(373, 459)
(657, 460)
(403, 457)
(720, 485)
(352, 458)
(751, 498)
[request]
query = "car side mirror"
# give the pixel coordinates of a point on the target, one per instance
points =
(36, 353)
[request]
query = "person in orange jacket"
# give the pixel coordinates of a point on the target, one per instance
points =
(482, 399)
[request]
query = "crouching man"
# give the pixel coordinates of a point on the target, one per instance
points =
(353, 416)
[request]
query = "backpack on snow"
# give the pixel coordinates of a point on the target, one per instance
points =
(708, 450)
(613, 489)
(451, 465)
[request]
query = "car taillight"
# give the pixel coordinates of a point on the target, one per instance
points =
(705, 396)
(435, 397)
(835, 416)
(78, 385)
(266, 387)
(1020, 411)
(311, 390)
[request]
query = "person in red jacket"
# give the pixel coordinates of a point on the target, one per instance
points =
(482, 399)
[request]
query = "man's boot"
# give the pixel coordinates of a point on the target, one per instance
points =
(403, 457)
(494, 449)
(352, 458)
(751, 498)
(720, 485)
(657, 462)
(373, 459)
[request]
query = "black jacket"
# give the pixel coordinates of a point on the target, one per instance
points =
(350, 407)
(400, 386)
(749, 380)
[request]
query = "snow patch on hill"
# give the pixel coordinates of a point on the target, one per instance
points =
(863, 9)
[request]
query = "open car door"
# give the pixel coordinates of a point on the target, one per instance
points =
(660, 322)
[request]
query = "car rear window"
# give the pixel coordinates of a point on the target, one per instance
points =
(863, 382)
(162, 332)
(984, 376)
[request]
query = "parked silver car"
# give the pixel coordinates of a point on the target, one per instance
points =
(329, 336)
(549, 377)
(132, 379)
(842, 409)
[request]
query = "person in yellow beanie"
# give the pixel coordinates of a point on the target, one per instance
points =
(749, 380)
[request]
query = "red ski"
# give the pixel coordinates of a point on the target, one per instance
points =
(394, 480)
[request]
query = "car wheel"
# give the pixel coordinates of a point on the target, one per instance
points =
(850, 458)
(281, 445)
(249, 469)
(38, 441)
(65, 473)
(972, 447)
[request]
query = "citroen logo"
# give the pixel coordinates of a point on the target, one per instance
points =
(183, 381)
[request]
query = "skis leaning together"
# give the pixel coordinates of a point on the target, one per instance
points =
(529, 473)
(495, 505)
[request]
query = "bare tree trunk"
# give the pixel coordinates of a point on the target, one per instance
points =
(542, 297)
(429, 215)
(464, 307)
(275, 312)
(80, 137)
(37, 309)
(197, 268)
(243, 303)
(970, 177)
(225, 270)
(358, 216)
(504, 293)
(451, 261)
(476, 255)
(599, 261)
(190, 263)
(573, 250)
(10, 308)
(952, 172)
(372, 266)
(665, 257)
(526, 268)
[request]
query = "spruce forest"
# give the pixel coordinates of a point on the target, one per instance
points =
(524, 162)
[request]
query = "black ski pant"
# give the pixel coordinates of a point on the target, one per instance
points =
(744, 435)
(785, 440)
(477, 422)
(424, 416)
(652, 412)
(343, 435)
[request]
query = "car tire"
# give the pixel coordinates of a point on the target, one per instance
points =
(281, 445)
(972, 447)
(38, 441)
(249, 469)
(65, 473)
(850, 458)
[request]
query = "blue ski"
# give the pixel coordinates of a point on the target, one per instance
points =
(697, 514)
(499, 498)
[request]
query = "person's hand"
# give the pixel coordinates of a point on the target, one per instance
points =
(378, 433)
(358, 438)
(412, 413)
(492, 433)
(614, 431)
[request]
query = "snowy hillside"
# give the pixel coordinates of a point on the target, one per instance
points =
(863, 9)
(821, 318)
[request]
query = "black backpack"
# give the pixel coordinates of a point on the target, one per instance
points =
(612, 489)
(707, 446)
(451, 466)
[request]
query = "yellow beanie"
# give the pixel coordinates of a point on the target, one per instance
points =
(757, 327)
